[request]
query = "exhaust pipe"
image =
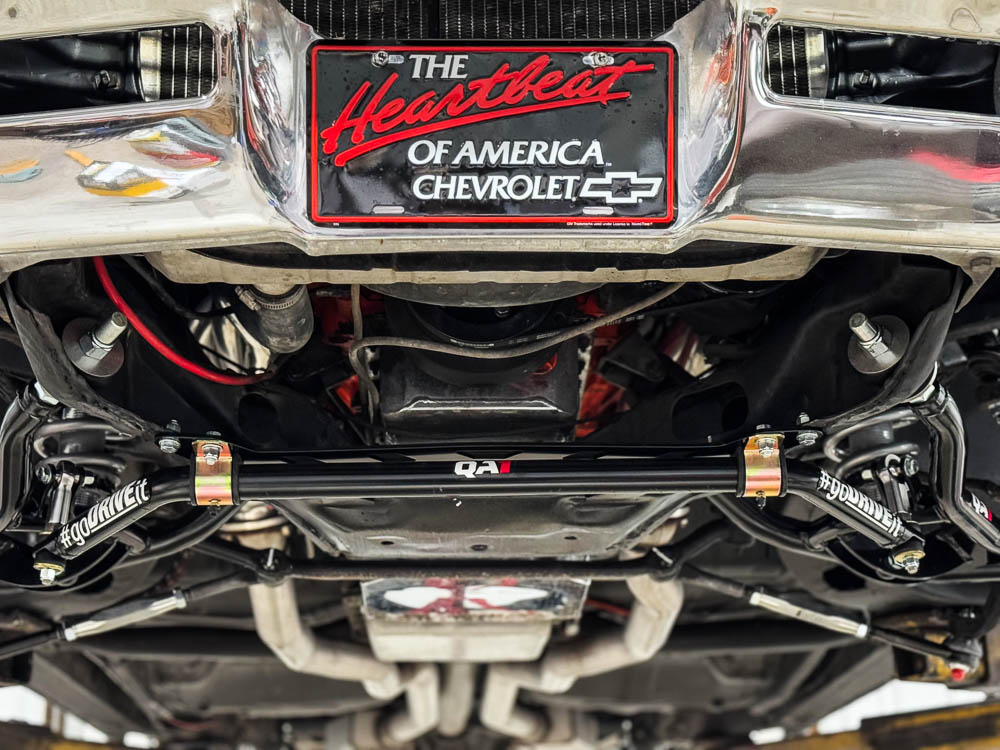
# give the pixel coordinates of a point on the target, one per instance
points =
(276, 615)
(458, 694)
(656, 608)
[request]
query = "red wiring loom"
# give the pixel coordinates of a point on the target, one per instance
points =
(158, 344)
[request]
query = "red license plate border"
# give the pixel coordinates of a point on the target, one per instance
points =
(484, 220)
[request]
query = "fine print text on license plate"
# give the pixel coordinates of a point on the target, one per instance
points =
(476, 135)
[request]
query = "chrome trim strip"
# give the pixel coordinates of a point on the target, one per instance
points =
(230, 167)
(150, 49)
(818, 62)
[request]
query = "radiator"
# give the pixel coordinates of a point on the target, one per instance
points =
(187, 53)
(490, 19)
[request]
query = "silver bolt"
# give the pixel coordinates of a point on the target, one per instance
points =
(808, 437)
(767, 446)
(601, 59)
(877, 345)
(43, 473)
(47, 576)
(910, 466)
(108, 331)
(863, 328)
(212, 453)
(168, 443)
(97, 343)
(910, 561)
(380, 58)
(868, 334)
(96, 350)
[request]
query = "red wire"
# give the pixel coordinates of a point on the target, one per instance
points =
(154, 341)
(613, 609)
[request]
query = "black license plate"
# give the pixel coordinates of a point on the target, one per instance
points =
(580, 136)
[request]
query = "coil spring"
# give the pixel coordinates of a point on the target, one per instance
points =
(845, 461)
(74, 461)
(81, 441)
(254, 518)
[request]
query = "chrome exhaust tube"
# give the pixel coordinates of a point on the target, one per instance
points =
(459, 695)
(657, 605)
(276, 615)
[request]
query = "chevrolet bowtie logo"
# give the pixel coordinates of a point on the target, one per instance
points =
(621, 187)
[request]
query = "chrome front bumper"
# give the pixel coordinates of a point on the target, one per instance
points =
(751, 166)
